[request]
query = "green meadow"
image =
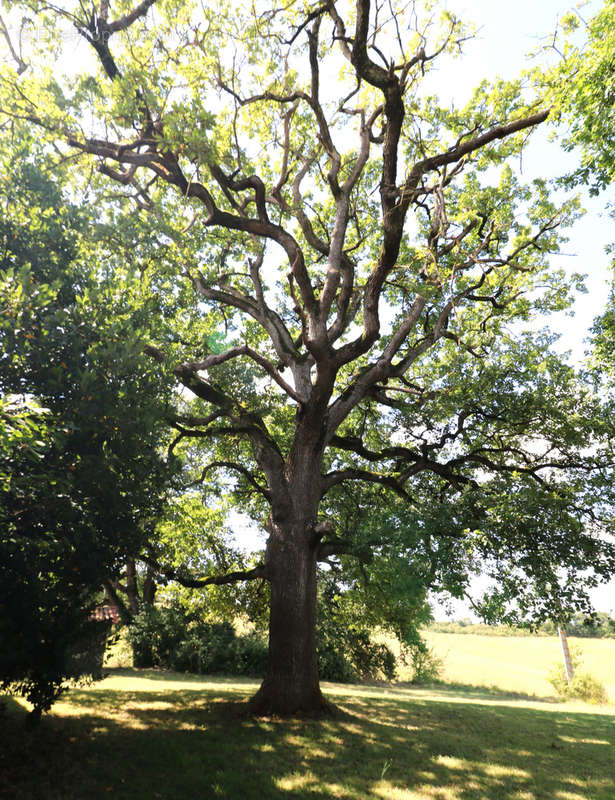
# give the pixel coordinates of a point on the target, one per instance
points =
(148, 734)
(517, 663)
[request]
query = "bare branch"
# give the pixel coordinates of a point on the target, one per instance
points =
(237, 468)
(21, 64)
(336, 477)
(270, 320)
(243, 350)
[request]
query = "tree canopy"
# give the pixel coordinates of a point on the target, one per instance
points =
(356, 265)
(83, 476)
(581, 85)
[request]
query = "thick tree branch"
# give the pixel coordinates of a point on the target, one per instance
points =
(184, 578)
(235, 352)
(456, 153)
(257, 309)
(340, 547)
(127, 20)
(335, 477)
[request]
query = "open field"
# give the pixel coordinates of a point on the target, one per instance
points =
(147, 735)
(517, 663)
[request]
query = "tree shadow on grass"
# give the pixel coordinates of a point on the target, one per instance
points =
(196, 744)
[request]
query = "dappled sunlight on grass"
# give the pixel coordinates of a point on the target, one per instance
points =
(162, 735)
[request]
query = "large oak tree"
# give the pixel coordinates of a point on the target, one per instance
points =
(357, 255)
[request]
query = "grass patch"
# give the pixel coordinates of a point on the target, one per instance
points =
(147, 734)
(518, 664)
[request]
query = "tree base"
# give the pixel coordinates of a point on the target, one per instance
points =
(273, 701)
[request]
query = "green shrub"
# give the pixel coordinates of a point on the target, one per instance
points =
(251, 655)
(205, 648)
(170, 638)
(426, 665)
(155, 636)
(583, 686)
(333, 665)
(370, 660)
(346, 654)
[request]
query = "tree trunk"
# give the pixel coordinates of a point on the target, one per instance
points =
(291, 682)
(132, 591)
(149, 587)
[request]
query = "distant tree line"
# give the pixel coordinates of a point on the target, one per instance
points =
(599, 626)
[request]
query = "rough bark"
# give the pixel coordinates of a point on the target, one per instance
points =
(291, 682)
(132, 590)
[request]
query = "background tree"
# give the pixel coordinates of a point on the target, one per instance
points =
(84, 472)
(357, 256)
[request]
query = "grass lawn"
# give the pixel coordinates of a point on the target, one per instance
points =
(148, 734)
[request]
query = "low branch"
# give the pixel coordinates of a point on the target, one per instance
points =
(123, 610)
(192, 582)
(339, 547)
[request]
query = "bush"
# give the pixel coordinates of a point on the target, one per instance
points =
(371, 660)
(44, 669)
(251, 655)
(206, 648)
(347, 654)
(583, 686)
(426, 665)
(170, 638)
(155, 636)
(333, 665)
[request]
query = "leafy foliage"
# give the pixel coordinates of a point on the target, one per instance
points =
(582, 84)
(582, 686)
(169, 637)
(82, 476)
(43, 598)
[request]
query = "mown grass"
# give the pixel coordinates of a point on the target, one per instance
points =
(146, 734)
